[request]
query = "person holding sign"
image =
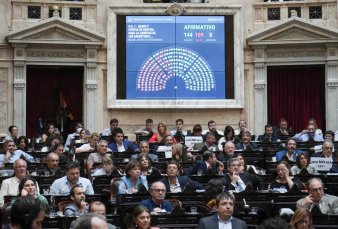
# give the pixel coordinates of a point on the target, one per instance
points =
(327, 151)
(327, 204)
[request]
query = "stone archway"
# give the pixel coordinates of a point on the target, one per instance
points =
(295, 42)
(55, 41)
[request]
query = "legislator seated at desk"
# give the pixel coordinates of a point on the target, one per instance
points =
(121, 145)
(210, 144)
(246, 144)
(327, 151)
(133, 180)
(63, 185)
(309, 135)
(51, 168)
(77, 205)
(284, 181)
(268, 135)
(290, 153)
(227, 153)
(144, 148)
(10, 186)
(225, 203)
(234, 180)
(11, 155)
(157, 202)
(327, 204)
(209, 162)
(175, 183)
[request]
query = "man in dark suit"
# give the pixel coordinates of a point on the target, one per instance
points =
(228, 152)
(246, 144)
(234, 180)
(209, 162)
(175, 183)
(268, 135)
(208, 144)
(283, 131)
(121, 145)
(225, 203)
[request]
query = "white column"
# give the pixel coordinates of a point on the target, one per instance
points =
(90, 96)
(89, 115)
(260, 98)
(19, 85)
(261, 112)
(331, 95)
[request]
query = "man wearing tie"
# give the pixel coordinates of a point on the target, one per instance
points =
(225, 203)
(268, 136)
(234, 180)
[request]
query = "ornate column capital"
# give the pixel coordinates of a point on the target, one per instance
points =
(91, 65)
(19, 63)
(332, 62)
(332, 85)
(259, 65)
(19, 85)
(259, 86)
(91, 85)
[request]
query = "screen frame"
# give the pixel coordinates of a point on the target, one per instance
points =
(114, 73)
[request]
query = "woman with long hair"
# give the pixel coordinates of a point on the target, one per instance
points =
(229, 135)
(28, 187)
(301, 219)
(141, 218)
(23, 143)
(145, 164)
(49, 131)
(161, 132)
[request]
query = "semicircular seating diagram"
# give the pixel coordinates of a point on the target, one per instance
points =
(170, 62)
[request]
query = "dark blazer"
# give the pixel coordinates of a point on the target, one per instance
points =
(200, 165)
(264, 138)
(240, 146)
(212, 222)
(246, 178)
(128, 146)
(183, 180)
(223, 157)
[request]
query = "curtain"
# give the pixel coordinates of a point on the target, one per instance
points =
(297, 94)
(70, 83)
(38, 90)
(39, 87)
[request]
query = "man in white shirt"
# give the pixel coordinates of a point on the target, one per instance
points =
(90, 146)
(114, 123)
(10, 186)
(63, 185)
(12, 154)
(70, 137)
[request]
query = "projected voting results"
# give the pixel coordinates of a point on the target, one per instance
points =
(175, 57)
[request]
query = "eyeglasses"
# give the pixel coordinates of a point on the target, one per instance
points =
(158, 190)
(235, 165)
